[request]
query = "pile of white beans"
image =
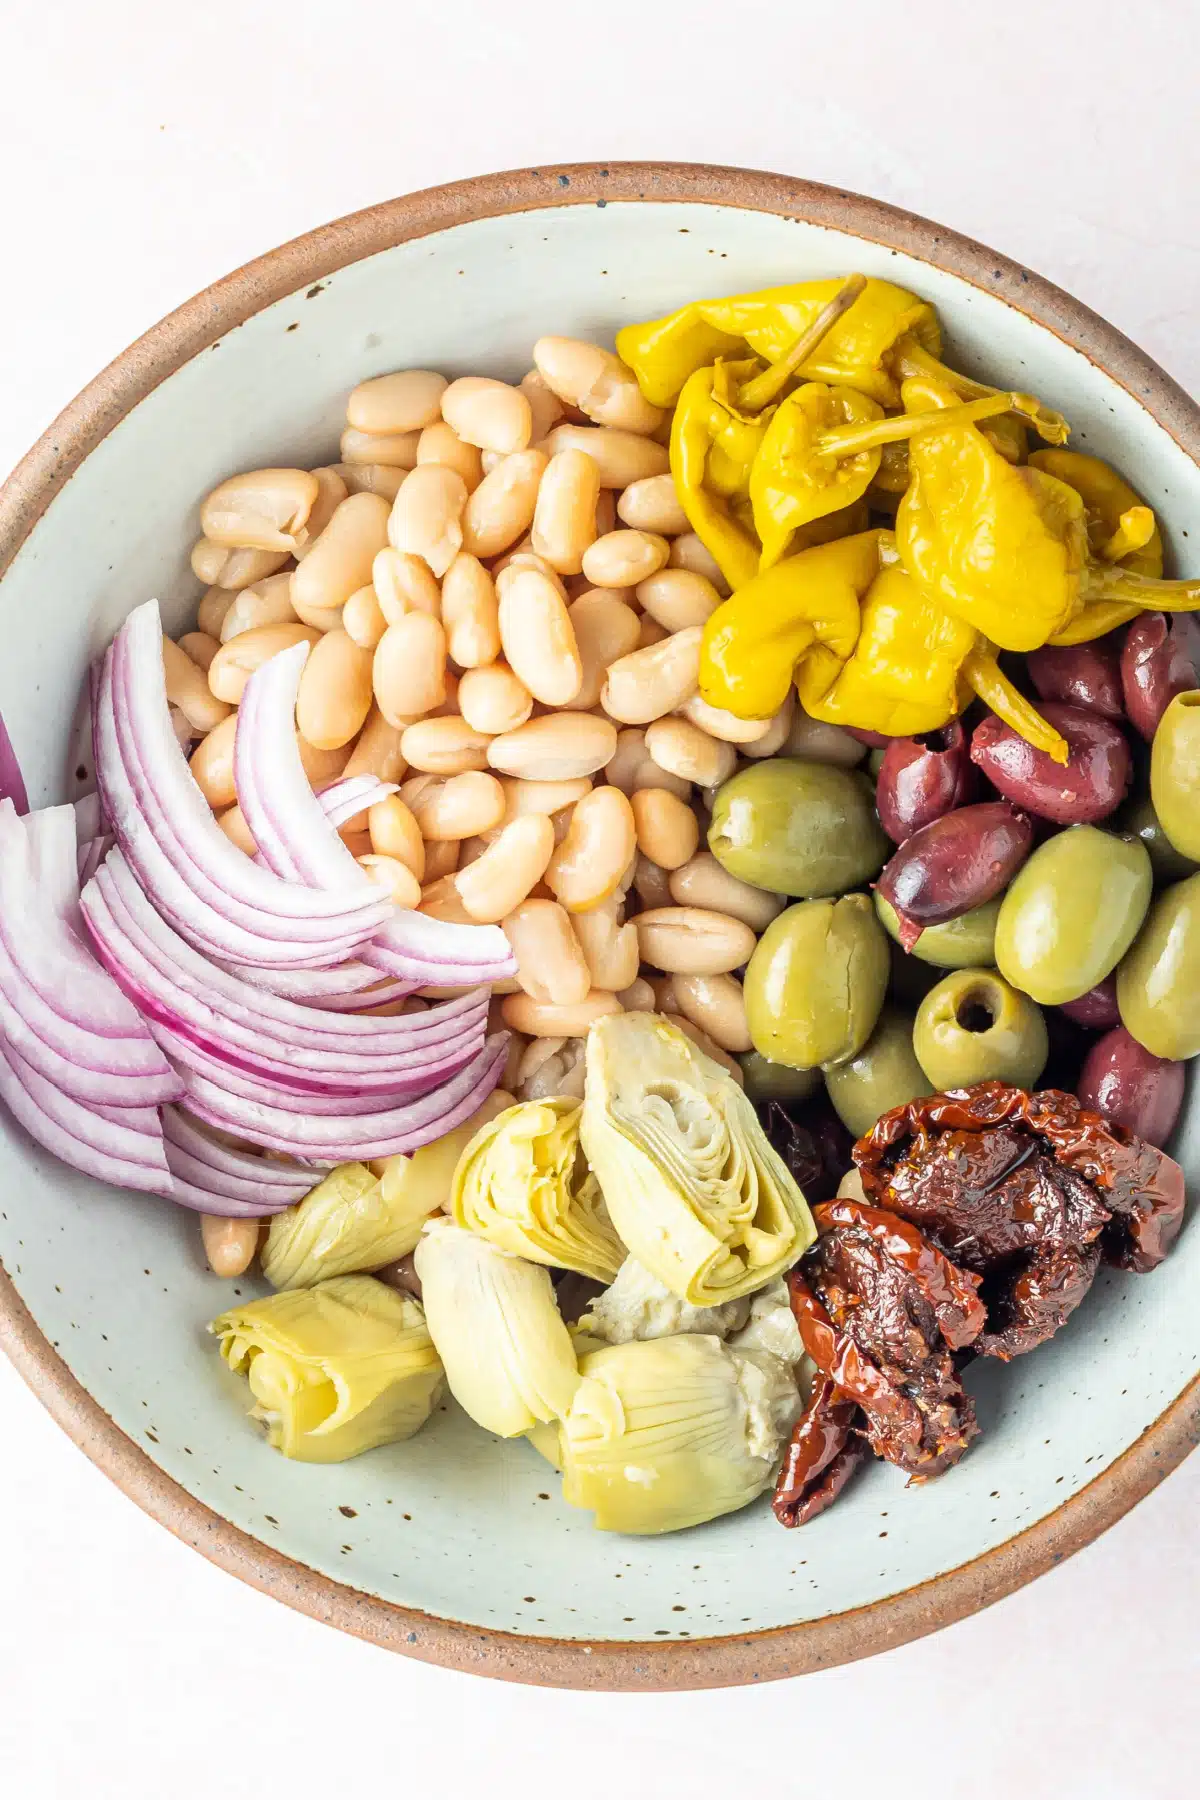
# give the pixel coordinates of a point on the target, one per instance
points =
(505, 605)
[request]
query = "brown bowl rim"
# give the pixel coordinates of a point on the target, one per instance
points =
(631, 1665)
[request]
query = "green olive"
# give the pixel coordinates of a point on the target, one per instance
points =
(800, 828)
(911, 980)
(973, 1027)
(875, 761)
(1158, 984)
(885, 1073)
(968, 942)
(1175, 773)
(767, 1080)
(814, 986)
(1139, 819)
(1071, 913)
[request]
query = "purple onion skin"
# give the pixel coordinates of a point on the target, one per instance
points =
(1086, 675)
(1126, 1084)
(1155, 666)
(1090, 785)
(922, 778)
(1097, 1009)
(957, 862)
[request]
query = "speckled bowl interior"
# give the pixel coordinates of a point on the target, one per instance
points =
(456, 1526)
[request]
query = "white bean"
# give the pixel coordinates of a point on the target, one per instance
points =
(409, 672)
(688, 552)
(470, 612)
(676, 598)
(404, 583)
(716, 1004)
(340, 561)
(391, 450)
(648, 683)
(551, 966)
(377, 751)
(451, 808)
(426, 518)
(564, 519)
(334, 697)
(229, 1244)
(217, 566)
(497, 883)
(776, 735)
(537, 1018)
(633, 767)
(200, 647)
(606, 629)
(537, 637)
(235, 662)
(621, 559)
(703, 1042)
(610, 947)
(401, 884)
(373, 478)
(638, 996)
(653, 505)
(214, 608)
(622, 456)
(544, 404)
(703, 883)
(502, 507)
(683, 750)
(404, 401)
(264, 509)
(445, 746)
(548, 797)
(687, 940)
(489, 414)
(396, 834)
(362, 617)
(813, 741)
(651, 883)
(494, 700)
(666, 827)
(440, 443)
(721, 724)
(331, 491)
(598, 848)
(596, 382)
(557, 747)
(267, 603)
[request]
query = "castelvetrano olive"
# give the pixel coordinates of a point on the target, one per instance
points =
(815, 984)
(1158, 982)
(974, 1027)
(1072, 912)
(884, 1073)
(767, 1080)
(1138, 819)
(967, 942)
(800, 828)
(1175, 773)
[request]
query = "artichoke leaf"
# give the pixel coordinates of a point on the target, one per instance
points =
(639, 1306)
(693, 1187)
(509, 1359)
(334, 1370)
(523, 1184)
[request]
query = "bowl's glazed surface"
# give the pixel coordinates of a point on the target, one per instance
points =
(454, 1546)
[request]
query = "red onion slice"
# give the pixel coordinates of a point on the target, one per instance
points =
(344, 798)
(142, 1172)
(117, 1142)
(239, 1164)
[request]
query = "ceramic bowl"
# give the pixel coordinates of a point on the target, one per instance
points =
(455, 1547)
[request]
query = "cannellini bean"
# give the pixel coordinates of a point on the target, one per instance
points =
(812, 740)
(621, 456)
(653, 505)
(445, 746)
(457, 807)
(442, 859)
(319, 618)
(550, 963)
(724, 725)
(401, 884)
(396, 834)
(441, 900)
(537, 1018)
(598, 848)
(610, 947)
(677, 598)
(638, 996)
(321, 766)
(564, 519)
(596, 382)
(605, 630)
(666, 826)
(383, 479)
(340, 561)
(331, 491)
(548, 797)
(404, 583)
(362, 617)
(716, 1004)
(264, 509)
(490, 414)
(651, 882)
(392, 449)
(522, 556)
(621, 559)
(404, 401)
(214, 605)
(470, 612)
(426, 519)
(538, 641)
(409, 670)
(682, 749)
(494, 700)
(218, 566)
(495, 884)
(777, 732)
(703, 883)
(235, 662)
(229, 1244)
(648, 683)
(269, 602)
(606, 511)
(556, 747)
(334, 697)
(663, 989)
(188, 689)
(703, 1042)
(502, 507)
(633, 767)
(200, 647)
(377, 751)
(544, 404)
(212, 764)
(185, 734)
(689, 940)
(689, 552)
(650, 632)
(234, 826)
(440, 443)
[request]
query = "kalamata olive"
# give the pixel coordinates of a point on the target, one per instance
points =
(1087, 787)
(922, 778)
(1097, 1009)
(1158, 980)
(1156, 664)
(954, 864)
(1071, 914)
(1125, 1082)
(1175, 773)
(1086, 675)
(974, 1027)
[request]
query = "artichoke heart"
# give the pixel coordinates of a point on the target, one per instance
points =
(509, 1359)
(638, 1306)
(335, 1369)
(694, 1188)
(356, 1221)
(670, 1432)
(524, 1185)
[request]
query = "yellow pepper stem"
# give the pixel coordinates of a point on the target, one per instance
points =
(1134, 531)
(847, 440)
(983, 674)
(770, 384)
(1145, 592)
(910, 358)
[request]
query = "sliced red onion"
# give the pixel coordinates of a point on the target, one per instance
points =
(12, 782)
(240, 1165)
(89, 817)
(142, 1171)
(359, 1139)
(352, 987)
(342, 799)
(117, 1141)
(91, 854)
